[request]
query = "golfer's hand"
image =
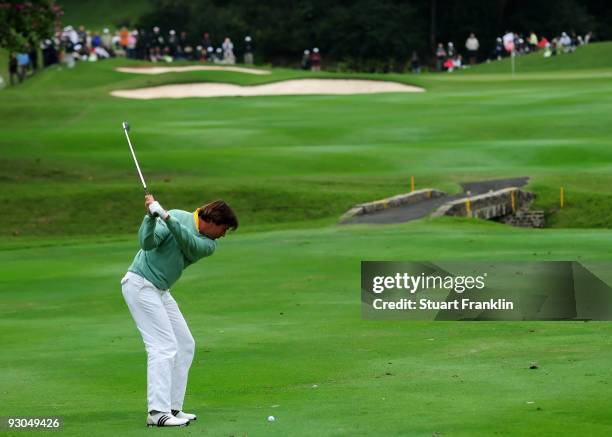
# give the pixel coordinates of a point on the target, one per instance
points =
(156, 210)
(149, 199)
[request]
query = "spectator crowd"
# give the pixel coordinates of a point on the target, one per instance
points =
(22, 64)
(153, 45)
(511, 43)
(311, 60)
(70, 45)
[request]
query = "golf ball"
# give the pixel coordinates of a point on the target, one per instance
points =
(271, 418)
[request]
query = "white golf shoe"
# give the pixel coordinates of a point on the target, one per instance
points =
(182, 415)
(165, 419)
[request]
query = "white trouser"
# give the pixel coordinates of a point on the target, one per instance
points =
(168, 342)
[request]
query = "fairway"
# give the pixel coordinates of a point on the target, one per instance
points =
(276, 312)
(291, 343)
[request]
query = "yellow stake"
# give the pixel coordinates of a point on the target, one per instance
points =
(468, 208)
(411, 184)
(513, 197)
(561, 197)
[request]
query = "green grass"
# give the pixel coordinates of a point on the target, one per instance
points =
(95, 15)
(588, 57)
(290, 166)
(284, 161)
(289, 320)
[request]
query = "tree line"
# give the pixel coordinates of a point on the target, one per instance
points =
(373, 35)
(365, 35)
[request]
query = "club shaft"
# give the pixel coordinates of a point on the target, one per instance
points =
(144, 184)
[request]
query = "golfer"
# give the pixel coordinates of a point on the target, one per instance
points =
(169, 241)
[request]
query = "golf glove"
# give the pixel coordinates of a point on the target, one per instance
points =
(156, 210)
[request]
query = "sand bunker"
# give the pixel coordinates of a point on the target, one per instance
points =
(287, 87)
(162, 70)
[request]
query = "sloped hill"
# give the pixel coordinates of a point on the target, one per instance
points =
(590, 57)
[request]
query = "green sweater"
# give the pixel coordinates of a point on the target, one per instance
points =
(168, 247)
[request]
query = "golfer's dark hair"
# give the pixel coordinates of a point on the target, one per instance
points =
(219, 213)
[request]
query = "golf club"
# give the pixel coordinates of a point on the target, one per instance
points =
(126, 128)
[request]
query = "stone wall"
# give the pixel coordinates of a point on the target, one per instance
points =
(391, 202)
(524, 218)
(489, 205)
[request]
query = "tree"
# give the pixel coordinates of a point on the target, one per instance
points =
(27, 22)
(373, 35)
